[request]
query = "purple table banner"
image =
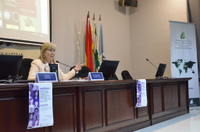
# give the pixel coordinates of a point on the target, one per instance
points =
(40, 105)
(141, 93)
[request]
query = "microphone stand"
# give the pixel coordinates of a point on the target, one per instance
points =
(63, 64)
(151, 63)
(159, 77)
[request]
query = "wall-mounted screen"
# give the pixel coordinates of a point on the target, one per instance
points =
(25, 20)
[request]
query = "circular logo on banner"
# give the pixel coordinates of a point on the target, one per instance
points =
(6, 14)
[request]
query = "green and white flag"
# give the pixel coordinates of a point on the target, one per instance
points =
(95, 44)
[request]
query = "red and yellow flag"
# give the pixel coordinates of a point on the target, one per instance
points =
(88, 45)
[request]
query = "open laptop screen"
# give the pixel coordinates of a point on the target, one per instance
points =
(161, 70)
(108, 69)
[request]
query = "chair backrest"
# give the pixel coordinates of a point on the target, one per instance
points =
(125, 75)
(83, 72)
(24, 68)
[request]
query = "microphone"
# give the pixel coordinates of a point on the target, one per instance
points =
(151, 63)
(63, 64)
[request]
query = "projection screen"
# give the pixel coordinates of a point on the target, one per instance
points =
(25, 21)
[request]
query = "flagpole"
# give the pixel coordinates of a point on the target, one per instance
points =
(86, 38)
(94, 43)
(78, 41)
(96, 63)
(101, 43)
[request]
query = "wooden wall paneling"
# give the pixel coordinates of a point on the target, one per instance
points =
(171, 92)
(141, 116)
(183, 95)
(119, 105)
(64, 110)
(150, 101)
(80, 110)
(171, 97)
(14, 110)
(163, 97)
(179, 96)
(143, 111)
(92, 110)
(2, 116)
(187, 96)
(157, 99)
(17, 116)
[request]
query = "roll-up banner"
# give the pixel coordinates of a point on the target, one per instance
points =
(184, 62)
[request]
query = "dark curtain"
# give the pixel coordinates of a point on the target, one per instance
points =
(194, 17)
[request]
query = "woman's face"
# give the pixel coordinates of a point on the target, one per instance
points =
(36, 103)
(31, 101)
(36, 111)
(49, 55)
(36, 93)
(31, 116)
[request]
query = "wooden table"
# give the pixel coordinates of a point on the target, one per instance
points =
(97, 106)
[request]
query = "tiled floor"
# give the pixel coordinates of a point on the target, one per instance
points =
(187, 123)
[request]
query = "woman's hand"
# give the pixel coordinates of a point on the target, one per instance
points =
(78, 67)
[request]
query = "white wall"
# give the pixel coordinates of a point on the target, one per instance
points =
(150, 35)
(70, 16)
(130, 34)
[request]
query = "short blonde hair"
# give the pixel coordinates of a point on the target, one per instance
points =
(46, 46)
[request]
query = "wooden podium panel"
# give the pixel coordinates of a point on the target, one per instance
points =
(183, 97)
(92, 110)
(102, 106)
(172, 102)
(169, 99)
(119, 109)
(64, 108)
(157, 100)
(64, 113)
(14, 109)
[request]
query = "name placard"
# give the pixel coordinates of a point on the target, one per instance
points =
(95, 76)
(46, 77)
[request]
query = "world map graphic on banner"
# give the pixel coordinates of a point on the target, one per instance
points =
(182, 65)
(184, 61)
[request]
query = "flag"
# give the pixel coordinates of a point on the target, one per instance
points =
(90, 54)
(88, 45)
(95, 44)
(86, 39)
(101, 49)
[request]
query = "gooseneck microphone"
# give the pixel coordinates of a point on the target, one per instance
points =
(63, 64)
(151, 63)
